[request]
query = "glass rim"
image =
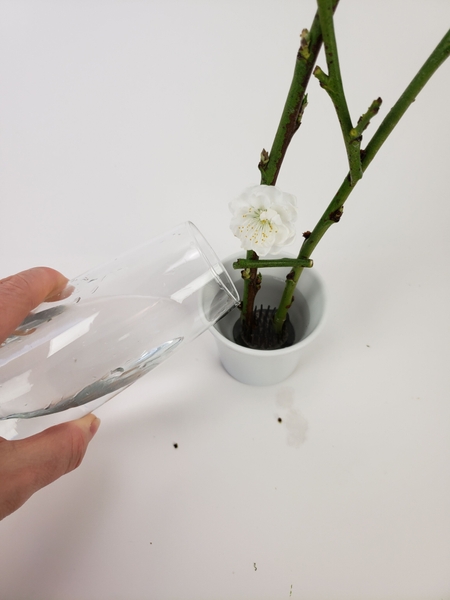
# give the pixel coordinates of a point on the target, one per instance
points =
(222, 278)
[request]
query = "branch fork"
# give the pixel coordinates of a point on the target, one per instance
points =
(322, 29)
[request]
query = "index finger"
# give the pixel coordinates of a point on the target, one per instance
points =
(22, 292)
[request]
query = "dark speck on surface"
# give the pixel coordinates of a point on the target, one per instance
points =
(175, 445)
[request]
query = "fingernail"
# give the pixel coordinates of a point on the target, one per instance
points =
(94, 426)
(60, 292)
(90, 423)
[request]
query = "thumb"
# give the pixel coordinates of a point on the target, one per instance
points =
(30, 464)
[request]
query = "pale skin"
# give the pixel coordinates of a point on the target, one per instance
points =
(28, 465)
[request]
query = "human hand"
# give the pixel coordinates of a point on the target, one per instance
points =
(30, 464)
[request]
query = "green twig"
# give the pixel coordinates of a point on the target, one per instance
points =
(270, 164)
(334, 210)
(310, 45)
(332, 83)
(262, 263)
(365, 119)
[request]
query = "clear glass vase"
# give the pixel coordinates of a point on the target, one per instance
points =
(114, 324)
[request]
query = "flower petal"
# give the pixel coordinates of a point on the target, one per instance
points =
(263, 219)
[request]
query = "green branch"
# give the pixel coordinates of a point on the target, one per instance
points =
(365, 119)
(262, 263)
(335, 209)
(270, 164)
(310, 45)
(332, 83)
(431, 65)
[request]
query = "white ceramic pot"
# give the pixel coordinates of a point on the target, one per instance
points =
(268, 367)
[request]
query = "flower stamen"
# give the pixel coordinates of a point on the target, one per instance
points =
(264, 217)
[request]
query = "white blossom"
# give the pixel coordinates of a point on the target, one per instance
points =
(263, 219)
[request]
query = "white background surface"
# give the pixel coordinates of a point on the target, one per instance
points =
(121, 119)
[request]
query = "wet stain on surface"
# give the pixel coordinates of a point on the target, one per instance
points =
(295, 423)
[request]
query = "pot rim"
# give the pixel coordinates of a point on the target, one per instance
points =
(280, 351)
